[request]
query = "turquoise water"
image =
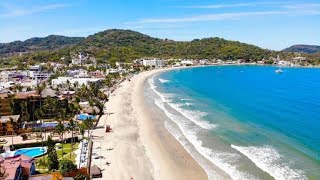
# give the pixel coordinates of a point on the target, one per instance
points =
(248, 121)
(31, 152)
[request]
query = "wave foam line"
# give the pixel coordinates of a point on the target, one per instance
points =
(269, 160)
(163, 97)
(218, 159)
(163, 81)
(194, 116)
(189, 104)
(186, 99)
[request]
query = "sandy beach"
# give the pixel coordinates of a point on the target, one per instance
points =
(139, 148)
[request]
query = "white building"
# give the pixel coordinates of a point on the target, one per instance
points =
(39, 75)
(204, 61)
(153, 62)
(186, 63)
(80, 81)
(60, 80)
(283, 63)
(4, 76)
(299, 59)
(6, 85)
(35, 68)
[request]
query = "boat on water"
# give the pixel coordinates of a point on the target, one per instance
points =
(278, 71)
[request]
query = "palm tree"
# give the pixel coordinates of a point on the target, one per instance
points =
(82, 128)
(33, 100)
(68, 85)
(39, 115)
(24, 110)
(71, 126)
(60, 130)
(89, 124)
(12, 123)
(18, 87)
(76, 85)
(39, 90)
(51, 106)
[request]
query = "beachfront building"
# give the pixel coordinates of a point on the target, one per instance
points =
(4, 76)
(9, 125)
(5, 104)
(18, 167)
(153, 62)
(186, 63)
(204, 61)
(283, 63)
(7, 85)
(63, 81)
(26, 104)
(39, 75)
(299, 59)
(35, 68)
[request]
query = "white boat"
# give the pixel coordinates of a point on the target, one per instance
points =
(278, 71)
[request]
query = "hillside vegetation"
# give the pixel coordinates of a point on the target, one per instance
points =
(52, 42)
(126, 45)
(309, 49)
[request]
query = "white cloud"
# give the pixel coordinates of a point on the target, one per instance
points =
(302, 6)
(17, 12)
(220, 6)
(210, 17)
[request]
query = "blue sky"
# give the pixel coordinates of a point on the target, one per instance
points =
(268, 24)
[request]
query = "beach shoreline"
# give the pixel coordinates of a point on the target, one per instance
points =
(138, 147)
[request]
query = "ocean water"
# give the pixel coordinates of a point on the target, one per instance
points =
(244, 122)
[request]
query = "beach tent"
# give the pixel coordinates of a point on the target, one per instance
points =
(95, 172)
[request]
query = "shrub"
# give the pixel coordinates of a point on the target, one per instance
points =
(67, 165)
(80, 176)
(53, 163)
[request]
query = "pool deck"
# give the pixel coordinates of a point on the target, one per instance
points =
(17, 139)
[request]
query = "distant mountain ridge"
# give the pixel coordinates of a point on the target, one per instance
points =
(52, 42)
(126, 45)
(301, 48)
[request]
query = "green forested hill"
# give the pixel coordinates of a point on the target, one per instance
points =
(126, 45)
(51, 42)
(303, 49)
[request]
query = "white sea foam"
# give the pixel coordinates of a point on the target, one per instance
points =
(189, 104)
(221, 159)
(269, 160)
(163, 80)
(186, 99)
(193, 115)
(164, 97)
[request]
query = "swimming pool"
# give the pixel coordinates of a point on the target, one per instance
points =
(83, 117)
(32, 152)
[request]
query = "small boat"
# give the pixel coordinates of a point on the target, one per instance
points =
(278, 71)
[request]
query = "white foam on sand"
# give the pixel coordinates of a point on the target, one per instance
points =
(269, 160)
(222, 160)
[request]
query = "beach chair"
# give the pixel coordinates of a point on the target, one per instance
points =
(108, 129)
